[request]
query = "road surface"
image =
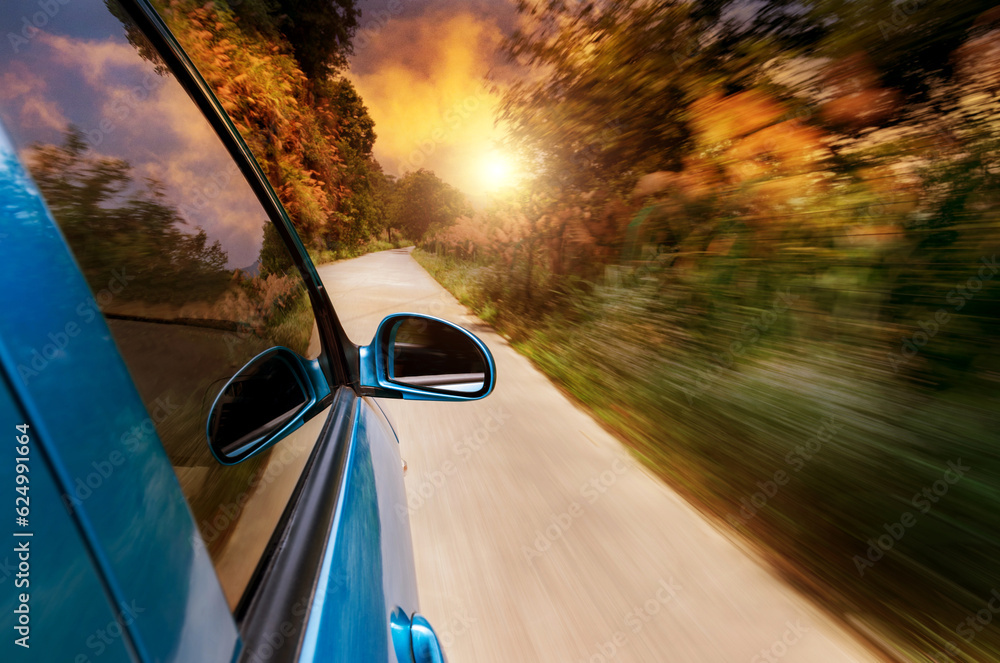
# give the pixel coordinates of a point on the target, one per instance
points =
(536, 535)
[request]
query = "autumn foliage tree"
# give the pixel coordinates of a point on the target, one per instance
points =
(693, 161)
(309, 129)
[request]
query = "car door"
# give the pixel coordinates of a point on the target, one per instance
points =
(146, 264)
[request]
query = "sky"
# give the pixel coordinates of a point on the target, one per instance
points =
(421, 67)
(125, 110)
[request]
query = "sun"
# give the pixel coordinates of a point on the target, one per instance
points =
(497, 171)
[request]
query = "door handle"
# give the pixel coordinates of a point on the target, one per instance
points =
(424, 641)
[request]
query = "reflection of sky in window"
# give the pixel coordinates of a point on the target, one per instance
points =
(79, 69)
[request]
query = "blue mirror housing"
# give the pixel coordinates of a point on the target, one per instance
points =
(419, 357)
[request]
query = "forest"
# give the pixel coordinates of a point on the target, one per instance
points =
(278, 68)
(757, 239)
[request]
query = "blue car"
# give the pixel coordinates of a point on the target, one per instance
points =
(197, 469)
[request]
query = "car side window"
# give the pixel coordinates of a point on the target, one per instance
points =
(182, 259)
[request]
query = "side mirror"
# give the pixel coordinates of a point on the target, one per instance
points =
(266, 400)
(423, 358)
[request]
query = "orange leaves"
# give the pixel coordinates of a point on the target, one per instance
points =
(783, 148)
(858, 100)
(267, 96)
(717, 119)
(747, 147)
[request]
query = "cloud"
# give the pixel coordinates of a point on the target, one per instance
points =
(422, 74)
(34, 111)
(127, 111)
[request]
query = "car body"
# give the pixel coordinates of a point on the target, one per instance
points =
(197, 469)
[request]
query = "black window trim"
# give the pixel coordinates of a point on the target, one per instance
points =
(284, 583)
(340, 355)
(283, 588)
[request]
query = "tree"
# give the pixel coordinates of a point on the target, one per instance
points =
(320, 32)
(356, 128)
(361, 211)
(613, 81)
(423, 201)
(127, 223)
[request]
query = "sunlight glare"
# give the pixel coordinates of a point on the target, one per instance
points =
(498, 171)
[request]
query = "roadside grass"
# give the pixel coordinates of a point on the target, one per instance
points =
(346, 252)
(811, 450)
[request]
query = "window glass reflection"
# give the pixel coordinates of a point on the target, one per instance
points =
(181, 257)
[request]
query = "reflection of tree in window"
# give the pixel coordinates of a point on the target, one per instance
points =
(182, 319)
(126, 226)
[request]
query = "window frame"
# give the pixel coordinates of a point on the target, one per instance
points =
(289, 567)
(339, 355)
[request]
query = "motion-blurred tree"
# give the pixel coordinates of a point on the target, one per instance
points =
(614, 81)
(128, 224)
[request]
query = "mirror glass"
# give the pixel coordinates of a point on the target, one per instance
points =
(257, 403)
(430, 354)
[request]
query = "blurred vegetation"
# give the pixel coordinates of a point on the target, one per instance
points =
(762, 239)
(122, 227)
